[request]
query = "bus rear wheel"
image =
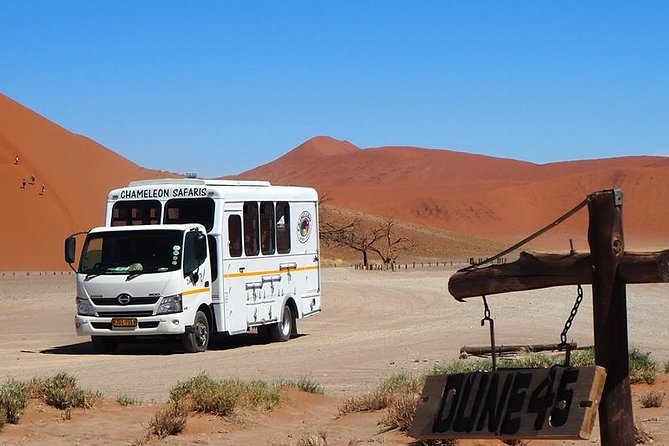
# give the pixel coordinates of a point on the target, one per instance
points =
(284, 328)
(197, 339)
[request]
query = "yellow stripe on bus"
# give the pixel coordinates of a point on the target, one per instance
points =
(198, 290)
(274, 271)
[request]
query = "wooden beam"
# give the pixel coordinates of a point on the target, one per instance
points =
(542, 270)
(609, 308)
(500, 349)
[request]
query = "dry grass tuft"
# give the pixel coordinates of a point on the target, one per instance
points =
(169, 421)
(366, 402)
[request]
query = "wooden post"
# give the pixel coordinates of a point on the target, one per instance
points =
(605, 236)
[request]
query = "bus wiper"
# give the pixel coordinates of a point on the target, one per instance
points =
(133, 275)
(90, 276)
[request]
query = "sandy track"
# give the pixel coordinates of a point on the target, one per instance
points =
(373, 324)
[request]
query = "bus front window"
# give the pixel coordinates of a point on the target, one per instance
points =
(125, 252)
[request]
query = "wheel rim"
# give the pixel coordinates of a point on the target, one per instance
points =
(201, 333)
(286, 321)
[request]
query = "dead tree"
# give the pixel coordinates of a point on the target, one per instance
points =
(353, 236)
(389, 245)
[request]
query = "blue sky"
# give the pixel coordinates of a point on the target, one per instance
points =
(221, 87)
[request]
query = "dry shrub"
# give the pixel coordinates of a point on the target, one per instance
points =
(3, 417)
(169, 421)
(641, 435)
(319, 439)
(651, 399)
(401, 411)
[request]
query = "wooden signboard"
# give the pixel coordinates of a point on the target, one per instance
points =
(554, 403)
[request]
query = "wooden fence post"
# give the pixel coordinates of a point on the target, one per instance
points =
(605, 236)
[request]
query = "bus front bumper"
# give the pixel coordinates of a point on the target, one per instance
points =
(168, 324)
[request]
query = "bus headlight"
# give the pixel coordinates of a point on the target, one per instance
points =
(84, 307)
(170, 304)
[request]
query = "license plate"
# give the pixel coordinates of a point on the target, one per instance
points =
(124, 322)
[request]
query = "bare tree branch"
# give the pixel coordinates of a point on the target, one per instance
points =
(355, 236)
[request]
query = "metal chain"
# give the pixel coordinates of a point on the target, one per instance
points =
(572, 315)
(486, 317)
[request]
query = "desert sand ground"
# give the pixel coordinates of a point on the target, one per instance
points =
(373, 324)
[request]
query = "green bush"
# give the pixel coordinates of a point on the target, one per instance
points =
(204, 394)
(583, 358)
(642, 367)
(3, 417)
(461, 366)
(13, 400)
(125, 400)
(304, 384)
(400, 383)
(61, 391)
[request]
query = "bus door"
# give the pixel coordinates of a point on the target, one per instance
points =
(234, 269)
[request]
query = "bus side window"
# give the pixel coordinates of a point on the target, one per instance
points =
(251, 228)
(235, 236)
(282, 227)
(213, 257)
(190, 262)
(136, 212)
(267, 227)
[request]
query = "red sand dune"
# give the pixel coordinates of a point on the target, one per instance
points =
(482, 196)
(477, 195)
(77, 174)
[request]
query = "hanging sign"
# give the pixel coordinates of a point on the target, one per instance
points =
(554, 403)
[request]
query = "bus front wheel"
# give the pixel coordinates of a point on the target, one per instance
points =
(197, 338)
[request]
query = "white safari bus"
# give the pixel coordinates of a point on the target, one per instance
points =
(191, 258)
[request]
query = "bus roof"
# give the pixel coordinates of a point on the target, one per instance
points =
(198, 181)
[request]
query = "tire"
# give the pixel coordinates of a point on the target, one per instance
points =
(104, 344)
(282, 330)
(198, 339)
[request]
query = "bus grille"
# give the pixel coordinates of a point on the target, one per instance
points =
(125, 313)
(133, 301)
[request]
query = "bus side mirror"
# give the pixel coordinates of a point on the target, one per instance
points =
(200, 247)
(70, 249)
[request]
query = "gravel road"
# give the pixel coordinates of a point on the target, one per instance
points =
(373, 324)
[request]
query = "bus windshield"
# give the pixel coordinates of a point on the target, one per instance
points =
(132, 252)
